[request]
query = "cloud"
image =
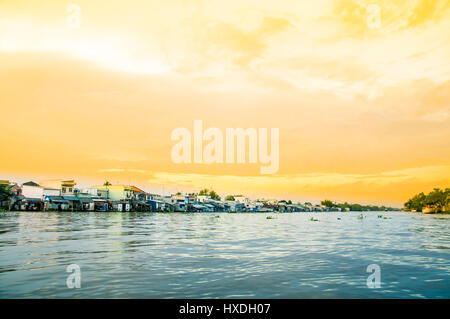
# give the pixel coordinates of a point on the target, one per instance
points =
(315, 184)
(123, 170)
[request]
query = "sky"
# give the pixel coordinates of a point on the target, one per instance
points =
(91, 90)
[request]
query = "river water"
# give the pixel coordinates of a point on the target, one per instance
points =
(224, 255)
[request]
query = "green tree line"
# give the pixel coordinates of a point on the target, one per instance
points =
(437, 199)
(355, 207)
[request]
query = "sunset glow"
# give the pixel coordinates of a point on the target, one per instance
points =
(363, 112)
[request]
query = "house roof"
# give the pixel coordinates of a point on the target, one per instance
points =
(136, 189)
(156, 201)
(100, 200)
(30, 183)
(112, 186)
(60, 201)
(29, 199)
(72, 198)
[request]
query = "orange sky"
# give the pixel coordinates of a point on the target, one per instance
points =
(363, 112)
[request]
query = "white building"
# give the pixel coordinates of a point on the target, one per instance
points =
(67, 187)
(90, 191)
(241, 199)
(203, 198)
(51, 192)
(32, 191)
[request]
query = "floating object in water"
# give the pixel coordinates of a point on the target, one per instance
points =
(313, 219)
(360, 216)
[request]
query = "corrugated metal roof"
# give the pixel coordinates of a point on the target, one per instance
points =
(72, 198)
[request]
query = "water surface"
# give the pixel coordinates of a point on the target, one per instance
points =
(224, 255)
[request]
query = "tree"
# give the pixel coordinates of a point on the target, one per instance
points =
(447, 198)
(356, 207)
(328, 203)
(107, 183)
(5, 194)
(210, 193)
(436, 198)
(214, 195)
(229, 197)
(417, 202)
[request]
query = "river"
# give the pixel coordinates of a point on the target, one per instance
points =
(224, 255)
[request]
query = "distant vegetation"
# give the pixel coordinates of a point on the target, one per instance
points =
(210, 193)
(355, 207)
(5, 193)
(5, 196)
(437, 200)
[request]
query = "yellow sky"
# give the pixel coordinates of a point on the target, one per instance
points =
(363, 112)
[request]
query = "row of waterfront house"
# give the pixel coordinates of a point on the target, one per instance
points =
(63, 195)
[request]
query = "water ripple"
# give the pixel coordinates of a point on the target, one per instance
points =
(147, 255)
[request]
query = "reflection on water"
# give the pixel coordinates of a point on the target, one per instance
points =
(147, 255)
